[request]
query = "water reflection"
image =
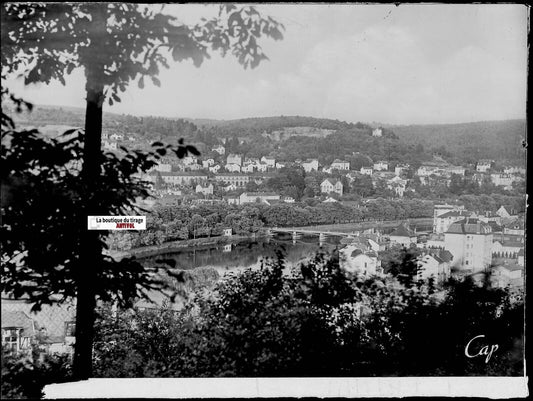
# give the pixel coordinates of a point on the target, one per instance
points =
(246, 254)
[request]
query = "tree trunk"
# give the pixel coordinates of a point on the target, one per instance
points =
(91, 248)
(90, 244)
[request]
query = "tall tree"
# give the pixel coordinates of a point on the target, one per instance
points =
(115, 44)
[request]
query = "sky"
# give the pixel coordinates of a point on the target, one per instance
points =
(406, 64)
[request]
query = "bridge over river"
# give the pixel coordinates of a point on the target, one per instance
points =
(421, 226)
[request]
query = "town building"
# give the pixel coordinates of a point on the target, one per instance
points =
(356, 260)
(310, 165)
(483, 166)
(240, 180)
(503, 213)
(403, 236)
(182, 178)
(515, 227)
(215, 169)
(269, 161)
(221, 150)
(377, 132)
(507, 275)
(366, 170)
(328, 185)
(397, 185)
(52, 328)
(258, 197)
(340, 165)
(162, 168)
(514, 170)
(116, 137)
(400, 169)
(443, 221)
(206, 190)
(234, 159)
(233, 168)
(435, 265)
(502, 180)
(110, 145)
(208, 163)
(470, 242)
(247, 168)
(381, 165)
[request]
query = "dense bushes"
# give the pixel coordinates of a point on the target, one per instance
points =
(24, 378)
(315, 321)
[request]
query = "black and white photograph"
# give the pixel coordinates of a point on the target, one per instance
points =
(263, 200)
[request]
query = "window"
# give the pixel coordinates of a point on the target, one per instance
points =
(10, 338)
(70, 329)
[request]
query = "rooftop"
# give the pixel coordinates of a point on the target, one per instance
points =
(402, 231)
(469, 226)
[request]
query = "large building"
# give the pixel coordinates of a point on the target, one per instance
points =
(238, 180)
(184, 178)
(328, 185)
(470, 242)
(443, 221)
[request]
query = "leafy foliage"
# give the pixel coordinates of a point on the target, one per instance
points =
(42, 224)
(316, 320)
(23, 378)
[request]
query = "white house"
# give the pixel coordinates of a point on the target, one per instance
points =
(219, 149)
(514, 170)
(234, 159)
(483, 166)
(190, 160)
(116, 137)
(377, 132)
(233, 168)
(340, 165)
(357, 261)
(327, 186)
(261, 167)
(502, 180)
(110, 145)
(436, 265)
(247, 168)
(269, 161)
(470, 242)
(505, 275)
(381, 165)
(207, 190)
(208, 163)
(402, 235)
(214, 169)
(310, 165)
(397, 185)
(400, 169)
(366, 170)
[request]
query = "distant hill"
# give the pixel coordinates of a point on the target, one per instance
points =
(498, 140)
(270, 124)
(457, 143)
